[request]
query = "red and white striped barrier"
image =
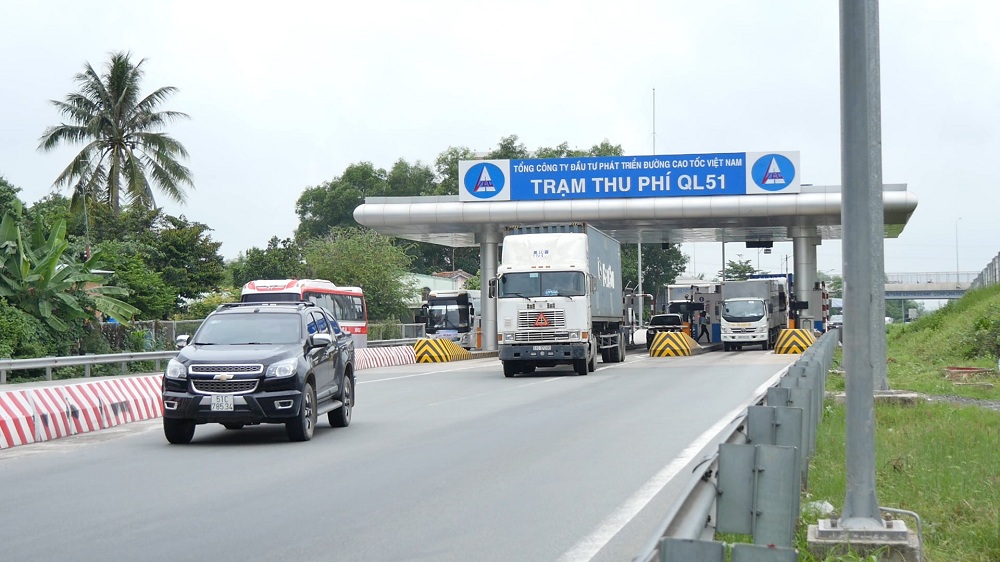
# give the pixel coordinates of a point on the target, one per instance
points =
(17, 419)
(85, 408)
(371, 357)
(51, 414)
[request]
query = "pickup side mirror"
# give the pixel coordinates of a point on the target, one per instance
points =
(181, 341)
(319, 340)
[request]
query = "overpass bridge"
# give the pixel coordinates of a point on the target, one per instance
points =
(928, 286)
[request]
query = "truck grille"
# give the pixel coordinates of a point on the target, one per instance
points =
(744, 330)
(247, 368)
(239, 386)
(526, 319)
(540, 335)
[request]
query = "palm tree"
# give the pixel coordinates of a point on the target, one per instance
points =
(125, 152)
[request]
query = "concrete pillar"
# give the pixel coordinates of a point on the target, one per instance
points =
(804, 241)
(488, 270)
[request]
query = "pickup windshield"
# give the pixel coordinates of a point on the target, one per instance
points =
(743, 311)
(542, 284)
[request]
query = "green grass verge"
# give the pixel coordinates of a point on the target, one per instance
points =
(940, 460)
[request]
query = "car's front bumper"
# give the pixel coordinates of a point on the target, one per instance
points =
(258, 407)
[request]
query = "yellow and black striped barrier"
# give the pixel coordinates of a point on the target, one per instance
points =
(671, 344)
(439, 351)
(794, 341)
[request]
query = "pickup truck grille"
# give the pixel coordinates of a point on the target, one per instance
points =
(528, 319)
(238, 386)
(247, 368)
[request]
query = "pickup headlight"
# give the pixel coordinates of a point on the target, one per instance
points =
(175, 370)
(283, 368)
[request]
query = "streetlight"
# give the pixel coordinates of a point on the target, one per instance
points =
(957, 282)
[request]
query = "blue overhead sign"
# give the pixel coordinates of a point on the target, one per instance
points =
(617, 177)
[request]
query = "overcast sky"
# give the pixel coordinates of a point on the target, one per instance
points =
(283, 96)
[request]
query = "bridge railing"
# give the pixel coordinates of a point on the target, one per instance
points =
(931, 277)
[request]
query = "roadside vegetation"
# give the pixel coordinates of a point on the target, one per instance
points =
(937, 457)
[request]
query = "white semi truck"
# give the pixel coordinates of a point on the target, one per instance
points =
(559, 299)
(753, 313)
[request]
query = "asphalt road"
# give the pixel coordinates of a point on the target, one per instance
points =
(442, 462)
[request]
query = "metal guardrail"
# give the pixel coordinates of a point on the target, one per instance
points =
(689, 517)
(50, 363)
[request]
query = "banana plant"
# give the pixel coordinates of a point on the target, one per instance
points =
(41, 280)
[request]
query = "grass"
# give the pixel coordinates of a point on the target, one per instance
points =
(937, 459)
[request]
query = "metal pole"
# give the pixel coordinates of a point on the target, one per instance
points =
(863, 253)
(639, 274)
(488, 267)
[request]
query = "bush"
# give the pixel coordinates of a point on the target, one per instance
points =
(984, 339)
(20, 334)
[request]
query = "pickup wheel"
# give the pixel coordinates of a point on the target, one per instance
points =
(301, 428)
(178, 432)
(341, 417)
(509, 369)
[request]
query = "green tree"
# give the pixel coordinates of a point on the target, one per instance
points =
(738, 270)
(282, 259)
(660, 266)
(185, 255)
(39, 279)
(446, 166)
(125, 152)
(147, 291)
(365, 258)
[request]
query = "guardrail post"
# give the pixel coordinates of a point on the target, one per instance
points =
(48, 373)
(124, 367)
(759, 492)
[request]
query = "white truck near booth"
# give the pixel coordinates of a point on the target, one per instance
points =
(753, 313)
(559, 299)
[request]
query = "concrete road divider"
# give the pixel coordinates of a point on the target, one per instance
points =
(794, 341)
(439, 351)
(671, 344)
(17, 419)
(371, 357)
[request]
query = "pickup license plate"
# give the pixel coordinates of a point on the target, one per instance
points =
(541, 348)
(222, 402)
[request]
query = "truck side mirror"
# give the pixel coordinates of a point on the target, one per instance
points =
(493, 289)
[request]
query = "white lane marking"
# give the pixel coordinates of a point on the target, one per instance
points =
(591, 544)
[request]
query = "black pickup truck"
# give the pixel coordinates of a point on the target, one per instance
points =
(663, 323)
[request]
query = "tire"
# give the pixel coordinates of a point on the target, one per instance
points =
(580, 366)
(725, 346)
(605, 356)
(528, 369)
(302, 427)
(766, 345)
(341, 417)
(178, 432)
(621, 351)
(592, 364)
(509, 369)
(233, 426)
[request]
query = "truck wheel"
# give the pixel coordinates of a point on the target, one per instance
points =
(605, 356)
(580, 366)
(725, 346)
(592, 364)
(766, 345)
(621, 351)
(509, 369)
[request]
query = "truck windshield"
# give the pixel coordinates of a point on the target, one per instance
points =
(447, 316)
(543, 284)
(743, 311)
